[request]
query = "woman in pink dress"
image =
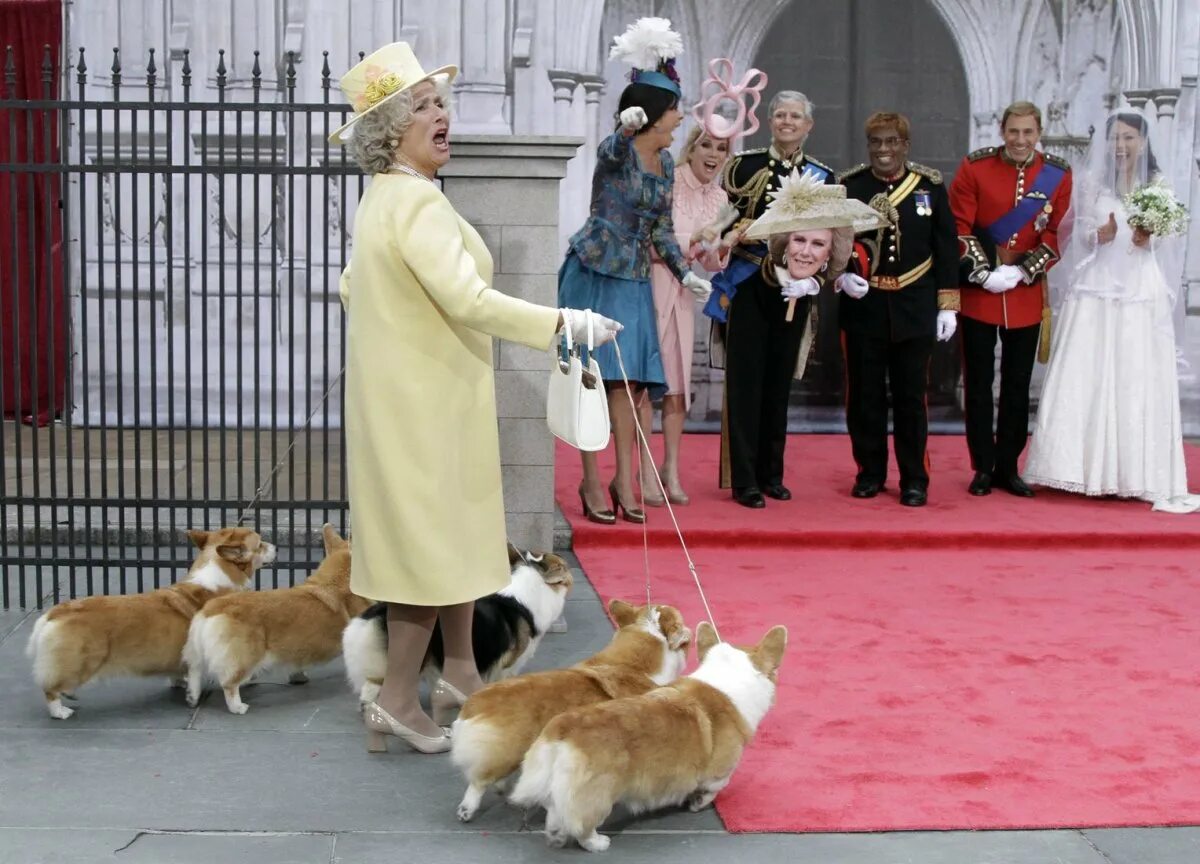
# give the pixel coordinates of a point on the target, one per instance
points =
(696, 202)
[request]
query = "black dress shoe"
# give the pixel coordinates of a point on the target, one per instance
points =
(1013, 484)
(981, 484)
(777, 491)
(750, 497)
(913, 497)
(866, 489)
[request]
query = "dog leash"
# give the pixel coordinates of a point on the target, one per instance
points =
(270, 478)
(643, 442)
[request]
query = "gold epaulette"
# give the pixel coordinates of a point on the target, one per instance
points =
(925, 171)
(819, 164)
(982, 153)
(749, 152)
(851, 172)
(1057, 161)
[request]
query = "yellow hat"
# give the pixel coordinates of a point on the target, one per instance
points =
(378, 77)
(804, 202)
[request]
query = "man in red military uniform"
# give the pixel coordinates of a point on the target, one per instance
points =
(1007, 204)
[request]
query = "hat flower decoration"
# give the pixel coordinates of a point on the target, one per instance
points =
(650, 46)
(804, 202)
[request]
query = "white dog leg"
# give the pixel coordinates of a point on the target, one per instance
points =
(233, 700)
(469, 806)
(194, 686)
(594, 842)
(556, 835)
(58, 710)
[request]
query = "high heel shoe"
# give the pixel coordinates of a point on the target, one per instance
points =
(675, 494)
(445, 699)
(635, 514)
(651, 497)
(380, 724)
(604, 517)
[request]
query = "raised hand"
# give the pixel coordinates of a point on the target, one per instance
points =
(633, 118)
(1106, 232)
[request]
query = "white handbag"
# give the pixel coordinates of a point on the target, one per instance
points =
(576, 401)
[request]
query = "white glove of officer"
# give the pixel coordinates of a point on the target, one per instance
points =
(794, 289)
(947, 323)
(701, 288)
(633, 118)
(603, 329)
(853, 285)
(1003, 278)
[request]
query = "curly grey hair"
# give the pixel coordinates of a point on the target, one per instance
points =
(839, 252)
(377, 134)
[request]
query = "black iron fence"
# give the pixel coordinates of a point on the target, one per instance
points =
(171, 320)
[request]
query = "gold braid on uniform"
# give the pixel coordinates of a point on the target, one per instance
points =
(746, 196)
(883, 205)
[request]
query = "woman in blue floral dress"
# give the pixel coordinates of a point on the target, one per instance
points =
(607, 268)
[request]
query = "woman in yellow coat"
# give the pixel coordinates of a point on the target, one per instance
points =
(422, 441)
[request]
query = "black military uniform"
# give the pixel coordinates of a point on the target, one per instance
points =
(912, 269)
(761, 346)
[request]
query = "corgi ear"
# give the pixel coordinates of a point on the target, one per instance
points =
(558, 574)
(235, 552)
(514, 556)
(333, 540)
(622, 613)
(768, 653)
(199, 538)
(706, 638)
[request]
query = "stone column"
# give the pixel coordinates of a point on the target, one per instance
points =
(1165, 100)
(481, 89)
(508, 188)
(1138, 98)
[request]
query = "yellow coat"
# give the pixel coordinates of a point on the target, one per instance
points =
(422, 441)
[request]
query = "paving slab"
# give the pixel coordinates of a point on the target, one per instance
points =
(25, 846)
(1146, 845)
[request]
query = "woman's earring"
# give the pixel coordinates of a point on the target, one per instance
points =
(394, 143)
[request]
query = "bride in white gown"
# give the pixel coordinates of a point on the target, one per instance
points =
(1108, 419)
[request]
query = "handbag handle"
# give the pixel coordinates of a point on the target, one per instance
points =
(564, 357)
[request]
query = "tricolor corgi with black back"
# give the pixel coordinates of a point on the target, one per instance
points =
(298, 627)
(507, 628)
(679, 743)
(498, 723)
(139, 634)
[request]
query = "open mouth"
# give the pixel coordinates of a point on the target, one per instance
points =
(710, 164)
(441, 140)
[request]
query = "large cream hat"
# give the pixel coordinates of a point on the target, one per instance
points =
(378, 77)
(804, 202)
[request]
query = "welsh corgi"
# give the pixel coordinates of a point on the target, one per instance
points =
(497, 724)
(506, 631)
(234, 637)
(139, 634)
(679, 743)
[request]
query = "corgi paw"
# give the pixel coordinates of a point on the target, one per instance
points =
(465, 813)
(697, 801)
(556, 839)
(595, 842)
(193, 699)
(298, 677)
(58, 710)
(236, 706)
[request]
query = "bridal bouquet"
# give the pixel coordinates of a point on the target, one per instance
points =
(1155, 208)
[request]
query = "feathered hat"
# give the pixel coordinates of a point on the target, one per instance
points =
(650, 46)
(804, 202)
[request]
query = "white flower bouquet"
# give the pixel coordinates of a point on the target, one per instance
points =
(1154, 208)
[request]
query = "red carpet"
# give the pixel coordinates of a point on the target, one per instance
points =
(939, 676)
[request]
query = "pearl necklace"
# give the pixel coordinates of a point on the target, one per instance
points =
(400, 166)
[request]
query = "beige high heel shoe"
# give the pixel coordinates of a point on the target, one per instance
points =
(445, 699)
(380, 724)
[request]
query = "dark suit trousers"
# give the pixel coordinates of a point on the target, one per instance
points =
(872, 363)
(761, 350)
(997, 452)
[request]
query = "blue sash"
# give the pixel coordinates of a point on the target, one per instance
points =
(1026, 210)
(725, 283)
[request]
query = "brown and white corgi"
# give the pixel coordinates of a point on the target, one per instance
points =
(679, 743)
(498, 723)
(507, 628)
(234, 637)
(139, 634)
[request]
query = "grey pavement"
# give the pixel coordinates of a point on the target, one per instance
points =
(137, 776)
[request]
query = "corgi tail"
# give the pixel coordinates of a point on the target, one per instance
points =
(535, 785)
(364, 650)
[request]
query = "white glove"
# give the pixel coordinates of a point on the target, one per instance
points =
(1003, 278)
(853, 285)
(947, 323)
(794, 289)
(603, 329)
(633, 118)
(701, 288)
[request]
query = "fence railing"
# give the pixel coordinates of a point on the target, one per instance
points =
(171, 321)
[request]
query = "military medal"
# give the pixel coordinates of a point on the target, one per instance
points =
(924, 203)
(1043, 218)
